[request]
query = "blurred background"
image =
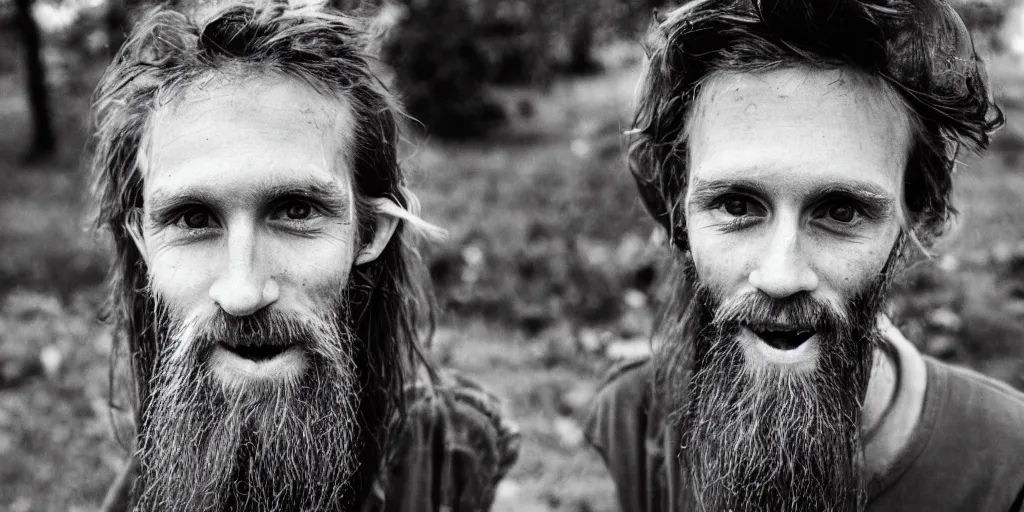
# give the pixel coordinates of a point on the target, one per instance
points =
(551, 272)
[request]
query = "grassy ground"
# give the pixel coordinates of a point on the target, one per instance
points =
(549, 268)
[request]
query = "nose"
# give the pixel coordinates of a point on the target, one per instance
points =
(244, 286)
(783, 270)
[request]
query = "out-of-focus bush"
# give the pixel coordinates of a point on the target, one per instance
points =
(982, 15)
(447, 53)
(437, 52)
(987, 20)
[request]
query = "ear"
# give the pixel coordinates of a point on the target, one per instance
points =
(387, 222)
(133, 226)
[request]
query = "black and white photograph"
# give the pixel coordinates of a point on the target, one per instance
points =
(512, 255)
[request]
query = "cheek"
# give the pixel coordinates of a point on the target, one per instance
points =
(318, 272)
(316, 269)
(721, 261)
(849, 268)
(179, 276)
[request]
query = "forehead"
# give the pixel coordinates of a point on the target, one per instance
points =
(798, 126)
(259, 130)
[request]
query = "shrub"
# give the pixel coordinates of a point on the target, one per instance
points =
(441, 68)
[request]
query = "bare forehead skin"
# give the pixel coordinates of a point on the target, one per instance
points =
(798, 117)
(229, 109)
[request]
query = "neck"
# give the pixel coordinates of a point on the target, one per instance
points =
(880, 393)
(894, 399)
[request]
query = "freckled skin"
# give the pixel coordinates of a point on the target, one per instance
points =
(236, 140)
(791, 132)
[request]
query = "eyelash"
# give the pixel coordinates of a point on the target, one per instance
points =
(863, 211)
(738, 223)
(720, 201)
(840, 228)
(175, 218)
(735, 223)
(315, 208)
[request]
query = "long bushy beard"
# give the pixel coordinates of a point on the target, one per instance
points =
(757, 437)
(209, 446)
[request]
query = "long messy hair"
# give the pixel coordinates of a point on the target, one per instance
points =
(920, 49)
(169, 51)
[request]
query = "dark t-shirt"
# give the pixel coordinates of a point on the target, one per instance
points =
(966, 452)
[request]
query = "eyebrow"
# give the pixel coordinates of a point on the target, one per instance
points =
(705, 191)
(873, 197)
(327, 194)
(876, 202)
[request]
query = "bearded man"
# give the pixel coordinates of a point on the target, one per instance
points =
(265, 279)
(791, 150)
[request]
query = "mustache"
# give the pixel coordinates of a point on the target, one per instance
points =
(200, 332)
(798, 311)
(264, 327)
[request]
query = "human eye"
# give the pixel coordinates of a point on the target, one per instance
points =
(195, 219)
(737, 207)
(296, 211)
(840, 214)
(737, 211)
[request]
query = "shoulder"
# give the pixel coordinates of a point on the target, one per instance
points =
(472, 418)
(623, 426)
(622, 404)
(118, 497)
(628, 374)
(456, 444)
(975, 438)
(628, 385)
(983, 402)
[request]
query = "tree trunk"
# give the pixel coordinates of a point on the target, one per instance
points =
(581, 46)
(43, 138)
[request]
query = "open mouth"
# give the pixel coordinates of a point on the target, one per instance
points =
(242, 363)
(783, 339)
(256, 353)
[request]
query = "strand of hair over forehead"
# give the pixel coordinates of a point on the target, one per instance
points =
(922, 47)
(174, 47)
